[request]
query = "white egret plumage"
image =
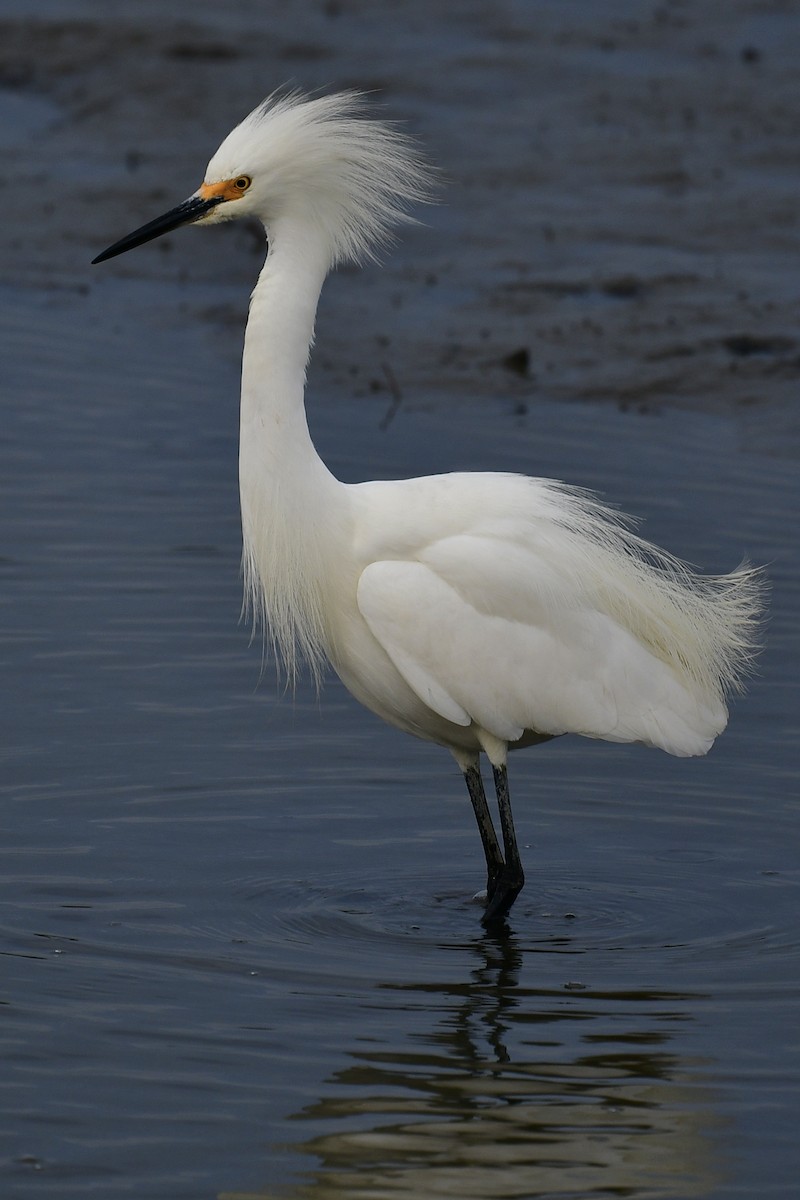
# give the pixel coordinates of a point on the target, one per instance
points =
(481, 611)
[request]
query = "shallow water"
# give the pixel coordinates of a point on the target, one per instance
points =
(240, 957)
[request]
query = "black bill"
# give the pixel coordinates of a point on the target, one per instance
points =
(191, 210)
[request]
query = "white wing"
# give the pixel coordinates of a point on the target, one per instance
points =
(487, 631)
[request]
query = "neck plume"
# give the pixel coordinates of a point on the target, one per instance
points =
(291, 504)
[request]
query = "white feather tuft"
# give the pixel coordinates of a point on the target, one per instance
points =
(285, 563)
(706, 627)
(354, 177)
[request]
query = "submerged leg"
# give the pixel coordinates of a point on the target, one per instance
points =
(495, 863)
(505, 877)
(510, 881)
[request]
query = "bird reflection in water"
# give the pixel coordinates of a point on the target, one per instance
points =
(518, 1092)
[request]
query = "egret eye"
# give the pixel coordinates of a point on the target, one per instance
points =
(242, 183)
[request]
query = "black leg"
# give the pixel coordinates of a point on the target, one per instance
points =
(495, 863)
(511, 879)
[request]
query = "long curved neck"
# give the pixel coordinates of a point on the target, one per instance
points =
(280, 331)
(291, 503)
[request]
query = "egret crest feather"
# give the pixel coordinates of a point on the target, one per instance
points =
(355, 178)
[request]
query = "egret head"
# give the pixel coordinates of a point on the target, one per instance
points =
(318, 160)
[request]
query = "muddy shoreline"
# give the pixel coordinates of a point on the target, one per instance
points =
(618, 216)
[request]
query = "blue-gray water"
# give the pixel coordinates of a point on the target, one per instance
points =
(239, 954)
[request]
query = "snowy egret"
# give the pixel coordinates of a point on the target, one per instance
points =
(484, 612)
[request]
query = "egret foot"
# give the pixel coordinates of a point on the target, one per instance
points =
(507, 887)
